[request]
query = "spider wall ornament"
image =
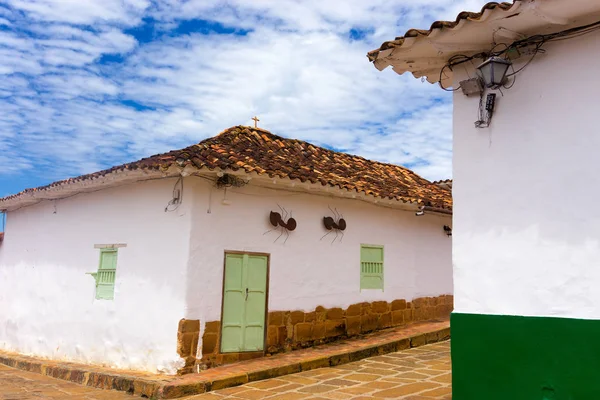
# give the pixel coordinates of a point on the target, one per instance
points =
(336, 224)
(448, 230)
(283, 223)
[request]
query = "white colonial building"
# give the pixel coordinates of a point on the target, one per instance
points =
(526, 244)
(244, 244)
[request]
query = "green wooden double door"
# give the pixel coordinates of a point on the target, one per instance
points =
(244, 302)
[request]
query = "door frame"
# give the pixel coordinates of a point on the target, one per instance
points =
(266, 328)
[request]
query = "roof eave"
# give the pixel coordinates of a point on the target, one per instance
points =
(68, 189)
(124, 177)
(317, 188)
(425, 52)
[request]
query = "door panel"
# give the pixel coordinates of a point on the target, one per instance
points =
(233, 304)
(244, 303)
(255, 304)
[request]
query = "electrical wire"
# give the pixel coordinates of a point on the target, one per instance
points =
(537, 41)
(513, 80)
(537, 50)
(483, 120)
(533, 45)
(177, 199)
(440, 80)
(499, 44)
(452, 61)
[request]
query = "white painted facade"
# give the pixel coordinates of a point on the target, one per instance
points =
(526, 229)
(47, 302)
(172, 265)
(306, 271)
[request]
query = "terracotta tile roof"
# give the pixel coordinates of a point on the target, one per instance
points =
(259, 151)
(444, 184)
(465, 15)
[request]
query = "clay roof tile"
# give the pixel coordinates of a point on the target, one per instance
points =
(464, 15)
(254, 150)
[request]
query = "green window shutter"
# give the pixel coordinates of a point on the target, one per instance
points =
(105, 277)
(371, 267)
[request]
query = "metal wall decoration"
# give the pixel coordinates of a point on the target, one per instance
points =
(281, 222)
(448, 230)
(336, 224)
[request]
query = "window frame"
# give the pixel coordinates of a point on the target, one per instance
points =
(382, 262)
(100, 295)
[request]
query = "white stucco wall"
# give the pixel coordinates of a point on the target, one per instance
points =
(306, 272)
(47, 302)
(526, 226)
(172, 265)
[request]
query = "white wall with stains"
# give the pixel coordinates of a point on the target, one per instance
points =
(307, 271)
(526, 225)
(47, 302)
(172, 265)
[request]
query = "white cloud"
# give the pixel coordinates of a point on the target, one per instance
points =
(125, 12)
(62, 112)
(78, 85)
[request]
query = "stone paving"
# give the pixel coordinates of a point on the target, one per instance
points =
(22, 385)
(418, 373)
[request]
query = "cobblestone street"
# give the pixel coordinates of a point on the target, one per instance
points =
(417, 373)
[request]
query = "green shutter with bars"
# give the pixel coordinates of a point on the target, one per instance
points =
(105, 277)
(371, 267)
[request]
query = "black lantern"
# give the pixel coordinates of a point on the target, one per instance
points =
(493, 71)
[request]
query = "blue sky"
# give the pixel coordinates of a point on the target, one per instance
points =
(90, 84)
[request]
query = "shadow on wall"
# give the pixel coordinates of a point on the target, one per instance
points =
(522, 249)
(531, 171)
(545, 221)
(523, 243)
(524, 228)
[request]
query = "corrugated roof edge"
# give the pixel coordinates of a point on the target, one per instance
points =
(372, 55)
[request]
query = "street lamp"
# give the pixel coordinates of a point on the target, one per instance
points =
(493, 71)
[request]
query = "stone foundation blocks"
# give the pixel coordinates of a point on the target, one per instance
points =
(290, 330)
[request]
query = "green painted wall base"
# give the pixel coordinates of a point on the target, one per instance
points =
(502, 357)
